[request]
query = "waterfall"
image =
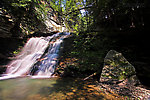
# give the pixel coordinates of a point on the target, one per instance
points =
(46, 66)
(33, 61)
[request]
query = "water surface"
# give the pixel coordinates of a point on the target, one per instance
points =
(47, 89)
(25, 88)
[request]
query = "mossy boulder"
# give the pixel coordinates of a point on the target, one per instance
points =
(117, 69)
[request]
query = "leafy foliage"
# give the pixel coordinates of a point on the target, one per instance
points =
(26, 14)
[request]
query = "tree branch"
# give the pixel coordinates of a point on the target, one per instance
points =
(88, 6)
(77, 10)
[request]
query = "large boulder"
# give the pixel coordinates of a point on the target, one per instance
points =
(116, 69)
(119, 76)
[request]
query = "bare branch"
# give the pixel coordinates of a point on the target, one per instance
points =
(77, 10)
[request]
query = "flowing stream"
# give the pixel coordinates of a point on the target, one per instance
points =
(38, 59)
(33, 60)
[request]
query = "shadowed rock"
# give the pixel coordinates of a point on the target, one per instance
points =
(117, 68)
(119, 76)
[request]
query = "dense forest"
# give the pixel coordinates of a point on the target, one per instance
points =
(78, 15)
(98, 26)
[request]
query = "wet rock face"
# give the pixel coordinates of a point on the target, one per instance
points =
(117, 69)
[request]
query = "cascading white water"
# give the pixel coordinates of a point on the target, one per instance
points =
(46, 67)
(33, 50)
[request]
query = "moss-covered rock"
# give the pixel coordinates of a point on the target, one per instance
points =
(119, 76)
(117, 68)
